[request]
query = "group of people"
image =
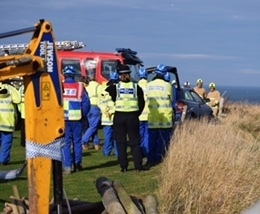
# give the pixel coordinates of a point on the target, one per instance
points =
(213, 97)
(138, 115)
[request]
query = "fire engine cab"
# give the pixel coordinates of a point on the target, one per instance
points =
(101, 62)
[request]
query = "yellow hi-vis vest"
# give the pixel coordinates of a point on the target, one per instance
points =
(143, 84)
(94, 90)
(126, 100)
(159, 98)
(72, 100)
(21, 105)
(7, 113)
(107, 107)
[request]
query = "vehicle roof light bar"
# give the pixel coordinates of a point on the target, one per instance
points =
(60, 45)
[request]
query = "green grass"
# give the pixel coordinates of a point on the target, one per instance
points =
(82, 184)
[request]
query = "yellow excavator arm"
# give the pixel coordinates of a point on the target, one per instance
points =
(44, 117)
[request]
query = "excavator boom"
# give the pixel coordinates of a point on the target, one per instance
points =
(44, 120)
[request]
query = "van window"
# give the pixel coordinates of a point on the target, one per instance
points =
(196, 97)
(107, 67)
(187, 95)
(75, 64)
(90, 66)
(134, 72)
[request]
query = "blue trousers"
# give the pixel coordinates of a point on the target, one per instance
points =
(84, 126)
(158, 144)
(6, 139)
(94, 117)
(143, 127)
(72, 151)
(109, 143)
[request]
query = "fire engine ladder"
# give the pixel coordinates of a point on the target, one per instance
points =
(60, 45)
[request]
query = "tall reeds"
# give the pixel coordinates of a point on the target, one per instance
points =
(213, 167)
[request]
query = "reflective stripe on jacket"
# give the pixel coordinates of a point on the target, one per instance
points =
(72, 100)
(126, 100)
(7, 113)
(143, 84)
(159, 98)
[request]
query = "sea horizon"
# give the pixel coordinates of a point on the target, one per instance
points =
(244, 94)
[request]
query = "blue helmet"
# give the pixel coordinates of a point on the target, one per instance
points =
(113, 76)
(167, 77)
(69, 69)
(142, 73)
(161, 69)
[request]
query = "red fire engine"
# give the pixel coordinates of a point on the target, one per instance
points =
(101, 62)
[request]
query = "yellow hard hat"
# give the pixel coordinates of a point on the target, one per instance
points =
(212, 84)
(200, 81)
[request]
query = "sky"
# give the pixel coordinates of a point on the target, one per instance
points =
(218, 41)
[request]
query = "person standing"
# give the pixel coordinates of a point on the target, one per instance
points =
(94, 90)
(160, 116)
(107, 107)
(9, 97)
(76, 107)
(144, 116)
(129, 104)
(200, 90)
(214, 96)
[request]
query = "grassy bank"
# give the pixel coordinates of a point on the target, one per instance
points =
(213, 168)
(210, 168)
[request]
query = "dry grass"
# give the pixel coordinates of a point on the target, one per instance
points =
(247, 118)
(213, 168)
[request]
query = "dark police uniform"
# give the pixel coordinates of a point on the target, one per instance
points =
(129, 104)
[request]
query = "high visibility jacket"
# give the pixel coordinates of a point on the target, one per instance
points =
(21, 105)
(126, 100)
(94, 90)
(214, 97)
(159, 98)
(7, 108)
(107, 107)
(143, 84)
(72, 100)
